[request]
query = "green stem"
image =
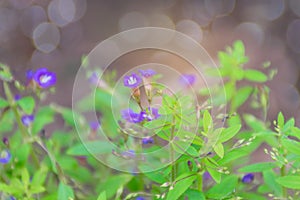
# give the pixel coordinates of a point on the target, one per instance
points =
(24, 132)
(282, 173)
(173, 172)
(200, 182)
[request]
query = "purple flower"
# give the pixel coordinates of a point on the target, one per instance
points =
(12, 198)
(187, 80)
(132, 81)
(5, 141)
(140, 198)
(29, 74)
(17, 97)
(44, 78)
(5, 157)
(94, 78)
(147, 140)
(206, 176)
(27, 119)
(153, 114)
(95, 125)
(147, 73)
(132, 117)
(128, 154)
(248, 178)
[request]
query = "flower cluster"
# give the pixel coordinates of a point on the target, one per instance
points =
(42, 77)
(133, 117)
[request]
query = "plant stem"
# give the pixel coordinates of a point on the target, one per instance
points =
(24, 132)
(200, 182)
(173, 172)
(282, 173)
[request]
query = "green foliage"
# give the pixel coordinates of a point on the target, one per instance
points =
(209, 153)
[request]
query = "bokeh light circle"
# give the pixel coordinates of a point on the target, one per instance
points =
(292, 35)
(103, 148)
(46, 37)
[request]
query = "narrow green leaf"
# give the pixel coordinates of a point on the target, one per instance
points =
(270, 181)
(291, 145)
(88, 148)
(180, 187)
(27, 104)
(224, 189)
(219, 149)
(255, 76)
(289, 182)
(65, 192)
(280, 120)
(43, 117)
(241, 96)
(112, 184)
(207, 121)
(102, 196)
(229, 132)
(3, 103)
(258, 167)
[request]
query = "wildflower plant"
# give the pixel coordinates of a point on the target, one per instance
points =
(138, 139)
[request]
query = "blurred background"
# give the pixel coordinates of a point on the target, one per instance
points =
(55, 34)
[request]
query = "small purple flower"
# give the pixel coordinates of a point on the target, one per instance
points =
(147, 140)
(17, 97)
(206, 176)
(153, 114)
(187, 80)
(29, 74)
(5, 157)
(12, 198)
(27, 119)
(95, 125)
(5, 141)
(44, 78)
(140, 198)
(128, 154)
(132, 81)
(248, 178)
(94, 78)
(132, 117)
(147, 73)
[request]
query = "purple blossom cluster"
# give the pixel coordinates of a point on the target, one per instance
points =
(134, 80)
(133, 117)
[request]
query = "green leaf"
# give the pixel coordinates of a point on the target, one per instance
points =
(224, 189)
(233, 155)
(25, 177)
(194, 194)
(219, 149)
(255, 76)
(5, 74)
(241, 96)
(270, 181)
(291, 182)
(102, 196)
(258, 167)
(44, 116)
(239, 48)
(181, 186)
(207, 121)
(3, 103)
(113, 183)
(27, 104)
(280, 120)
(65, 192)
(291, 145)
(88, 148)
(229, 132)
